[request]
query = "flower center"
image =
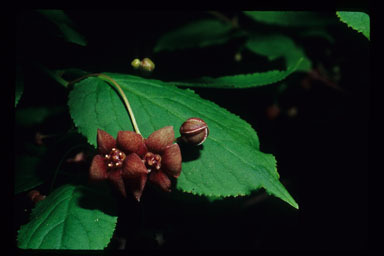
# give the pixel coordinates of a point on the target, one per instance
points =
(152, 161)
(115, 158)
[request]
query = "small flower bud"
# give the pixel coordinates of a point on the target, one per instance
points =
(194, 131)
(147, 65)
(135, 63)
(35, 196)
(238, 57)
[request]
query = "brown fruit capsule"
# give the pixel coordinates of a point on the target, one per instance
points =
(194, 131)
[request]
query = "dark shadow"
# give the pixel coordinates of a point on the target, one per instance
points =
(189, 152)
(98, 196)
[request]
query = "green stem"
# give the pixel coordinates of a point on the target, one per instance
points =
(126, 102)
(121, 92)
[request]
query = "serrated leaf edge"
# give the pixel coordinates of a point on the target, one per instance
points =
(204, 81)
(191, 95)
(36, 210)
(350, 26)
(190, 91)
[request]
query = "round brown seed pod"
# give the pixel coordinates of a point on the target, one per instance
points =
(194, 131)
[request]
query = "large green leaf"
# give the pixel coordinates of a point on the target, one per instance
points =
(291, 18)
(200, 33)
(275, 46)
(65, 25)
(72, 217)
(229, 163)
(244, 80)
(359, 21)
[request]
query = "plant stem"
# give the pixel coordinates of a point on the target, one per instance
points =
(121, 92)
(126, 102)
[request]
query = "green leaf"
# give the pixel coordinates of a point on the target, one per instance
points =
(290, 18)
(71, 217)
(26, 176)
(65, 25)
(359, 21)
(242, 80)
(276, 46)
(272, 46)
(229, 163)
(200, 33)
(19, 88)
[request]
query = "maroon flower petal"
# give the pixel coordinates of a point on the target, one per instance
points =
(160, 139)
(135, 174)
(115, 177)
(131, 142)
(105, 142)
(171, 160)
(136, 185)
(98, 169)
(133, 167)
(161, 179)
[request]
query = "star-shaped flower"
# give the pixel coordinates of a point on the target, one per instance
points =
(130, 160)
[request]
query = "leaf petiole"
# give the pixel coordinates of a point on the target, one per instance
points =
(126, 102)
(121, 92)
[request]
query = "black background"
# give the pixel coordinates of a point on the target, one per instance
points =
(322, 153)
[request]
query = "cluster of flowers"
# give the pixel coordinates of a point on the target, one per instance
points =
(130, 160)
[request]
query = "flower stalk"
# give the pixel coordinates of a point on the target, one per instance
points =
(126, 102)
(121, 92)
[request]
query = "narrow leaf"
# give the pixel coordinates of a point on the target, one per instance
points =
(72, 217)
(276, 46)
(291, 18)
(200, 33)
(228, 164)
(359, 21)
(242, 80)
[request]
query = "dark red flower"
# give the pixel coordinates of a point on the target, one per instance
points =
(130, 160)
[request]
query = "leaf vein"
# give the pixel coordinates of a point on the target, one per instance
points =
(50, 211)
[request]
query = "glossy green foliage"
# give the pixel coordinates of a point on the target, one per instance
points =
(228, 164)
(72, 217)
(242, 80)
(359, 21)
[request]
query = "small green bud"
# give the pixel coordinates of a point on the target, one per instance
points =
(238, 57)
(136, 63)
(147, 65)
